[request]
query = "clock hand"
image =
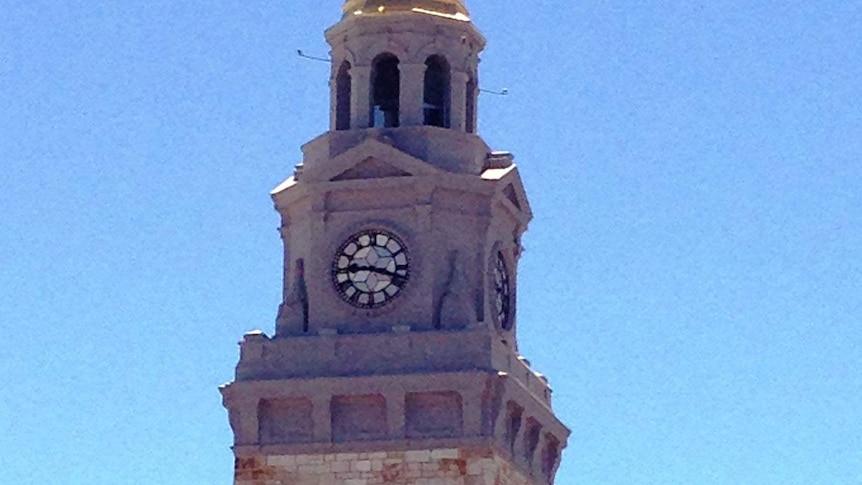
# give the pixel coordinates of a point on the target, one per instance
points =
(353, 268)
(396, 278)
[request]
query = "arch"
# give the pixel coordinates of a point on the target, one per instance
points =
(372, 48)
(470, 108)
(385, 92)
(343, 89)
(436, 106)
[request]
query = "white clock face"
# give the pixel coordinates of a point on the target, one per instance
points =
(502, 293)
(370, 269)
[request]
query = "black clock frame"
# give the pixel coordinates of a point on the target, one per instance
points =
(502, 292)
(349, 276)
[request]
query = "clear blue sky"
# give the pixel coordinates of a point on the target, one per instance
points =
(693, 277)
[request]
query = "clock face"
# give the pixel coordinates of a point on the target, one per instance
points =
(370, 269)
(502, 293)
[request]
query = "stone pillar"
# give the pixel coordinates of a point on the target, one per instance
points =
(251, 346)
(395, 414)
(333, 98)
(317, 264)
(471, 400)
(412, 94)
(556, 458)
(246, 430)
(321, 416)
(458, 100)
(518, 448)
(538, 456)
(360, 90)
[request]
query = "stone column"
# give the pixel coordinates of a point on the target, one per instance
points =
(245, 424)
(333, 99)
(322, 419)
(412, 94)
(539, 455)
(518, 448)
(360, 89)
(395, 414)
(317, 266)
(458, 100)
(471, 400)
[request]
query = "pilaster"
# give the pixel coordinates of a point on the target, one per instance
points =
(360, 87)
(472, 402)
(247, 429)
(321, 418)
(458, 100)
(395, 413)
(412, 94)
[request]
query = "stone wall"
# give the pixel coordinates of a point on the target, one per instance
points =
(417, 467)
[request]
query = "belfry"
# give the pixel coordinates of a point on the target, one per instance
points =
(394, 358)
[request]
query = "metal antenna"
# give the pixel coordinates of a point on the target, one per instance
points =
(502, 92)
(313, 58)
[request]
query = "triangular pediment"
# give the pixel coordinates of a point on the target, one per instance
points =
(509, 192)
(370, 159)
(510, 188)
(371, 168)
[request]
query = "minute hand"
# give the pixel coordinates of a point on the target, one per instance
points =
(395, 278)
(354, 268)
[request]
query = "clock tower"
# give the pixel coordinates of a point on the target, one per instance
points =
(394, 357)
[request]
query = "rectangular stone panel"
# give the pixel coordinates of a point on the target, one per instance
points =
(433, 414)
(285, 421)
(358, 418)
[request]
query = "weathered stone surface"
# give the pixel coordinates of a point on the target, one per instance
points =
(416, 467)
(401, 198)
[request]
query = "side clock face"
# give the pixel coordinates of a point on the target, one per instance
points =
(502, 293)
(370, 269)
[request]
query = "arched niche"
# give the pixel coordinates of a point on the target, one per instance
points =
(437, 96)
(385, 92)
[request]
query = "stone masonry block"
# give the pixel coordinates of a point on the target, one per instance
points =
(417, 456)
(444, 453)
(415, 467)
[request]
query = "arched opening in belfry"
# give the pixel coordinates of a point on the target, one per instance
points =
(470, 108)
(342, 97)
(385, 91)
(436, 105)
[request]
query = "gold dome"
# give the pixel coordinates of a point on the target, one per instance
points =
(448, 8)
